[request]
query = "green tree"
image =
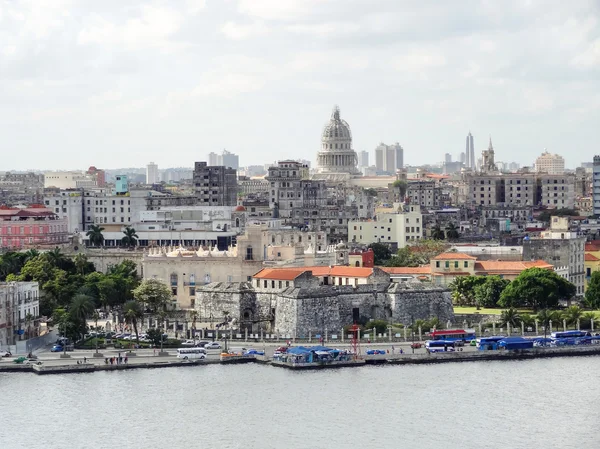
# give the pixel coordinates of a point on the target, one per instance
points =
(437, 233)
(82, 264)
(130, 237)
(95, 235)
(403, 258)
(465, 288)
(510, 316)
(537, 288)
(155, 336)
(573, 314)
(586, 320)
(592, 294)
(452, 232)
(154, 294)
(80, 309)
(487, 293)
(371, 192)
(381, 252)
(133, 311)
(400, 187)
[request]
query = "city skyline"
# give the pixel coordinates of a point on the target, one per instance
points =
(127, 82)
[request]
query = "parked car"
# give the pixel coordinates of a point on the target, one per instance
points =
(5, 353)
(212, 345)
(473, 343)
(202, 344)
(57, 348)
(416, 345)
(188, 343)
(252, 351)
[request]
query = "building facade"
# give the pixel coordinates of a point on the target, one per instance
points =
(552, 164)
(397, 229)
(389, 158)
(152, 176)
(596, 184)
(215, 185)
(19, 311)
(31, 227)
(561, 248)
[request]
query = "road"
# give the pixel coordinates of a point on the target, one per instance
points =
(151, 355)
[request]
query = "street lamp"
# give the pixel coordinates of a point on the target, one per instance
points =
(412, 330)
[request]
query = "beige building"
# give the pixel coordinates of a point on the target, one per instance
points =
(552, 164)
(389, 227)
(262, 245)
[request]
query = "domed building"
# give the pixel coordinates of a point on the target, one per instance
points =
(336, 155)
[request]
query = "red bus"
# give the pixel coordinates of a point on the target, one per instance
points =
(453, 334)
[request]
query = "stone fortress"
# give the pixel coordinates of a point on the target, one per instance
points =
(316, 300)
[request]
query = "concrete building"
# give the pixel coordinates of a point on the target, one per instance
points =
(424, 192)
(552, 164)
(303, 301)
(363, 159)
(214, 159)
(32, 227)
(152, 174)
(215, 185)
(389, 158)
(19, 311)
(470, 153)
(561, 248)
(230, 160)
(336, 159)
(488, 162)
(394, 228)
(69, 180)
(596, 184)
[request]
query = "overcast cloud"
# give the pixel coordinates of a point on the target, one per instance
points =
(118, 83)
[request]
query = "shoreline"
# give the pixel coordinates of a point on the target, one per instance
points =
(405, 359)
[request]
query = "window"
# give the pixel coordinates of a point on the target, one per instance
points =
(437, 263)
(447, 264)
(265, 284)
(272, 284)
(466, 264)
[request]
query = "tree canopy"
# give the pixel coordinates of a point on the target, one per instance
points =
(592, 294)
(418, 253)
(537, 288)
(154, 294)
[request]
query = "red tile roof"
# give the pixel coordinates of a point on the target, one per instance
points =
(508, 266)
(454, 256)
(425, 269)
(591, 258)
(281, 274)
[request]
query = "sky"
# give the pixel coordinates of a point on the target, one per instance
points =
(120, 83)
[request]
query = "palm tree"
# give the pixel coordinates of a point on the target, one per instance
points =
(31, 254)
(510, 316)
(96, 317)
(573, 314)
(437, 233)
(130, 237)
(56, 257)
(133, 311)
(527, 320)
(586, 320)
(81, 307)
(95, 235)
(557, 317)
(81, 262)
(452, 232)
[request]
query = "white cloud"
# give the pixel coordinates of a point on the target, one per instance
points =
(237, 31)
(278, 9)
(590, 57)
(153, 28)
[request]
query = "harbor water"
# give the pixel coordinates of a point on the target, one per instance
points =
(544, 403)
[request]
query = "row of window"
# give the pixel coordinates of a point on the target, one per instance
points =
(456, 264)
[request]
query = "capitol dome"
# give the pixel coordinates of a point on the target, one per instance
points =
(337, 155)
(336, 134)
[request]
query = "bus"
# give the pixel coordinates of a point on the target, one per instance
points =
(453, 334)
(569, 334)
(484, 342)
(440, 345)
(191, 353)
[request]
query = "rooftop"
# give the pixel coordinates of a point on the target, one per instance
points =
(288, 274)
(454, 256)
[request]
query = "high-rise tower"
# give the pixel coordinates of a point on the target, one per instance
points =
(470, 152)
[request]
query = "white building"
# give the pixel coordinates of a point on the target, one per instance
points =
(389, 227)
(553, 164)
(69, 180)
(18, 301)
(152, 173)
(67, 204)
(336, 155)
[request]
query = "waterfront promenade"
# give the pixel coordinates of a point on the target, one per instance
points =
(84, 360)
